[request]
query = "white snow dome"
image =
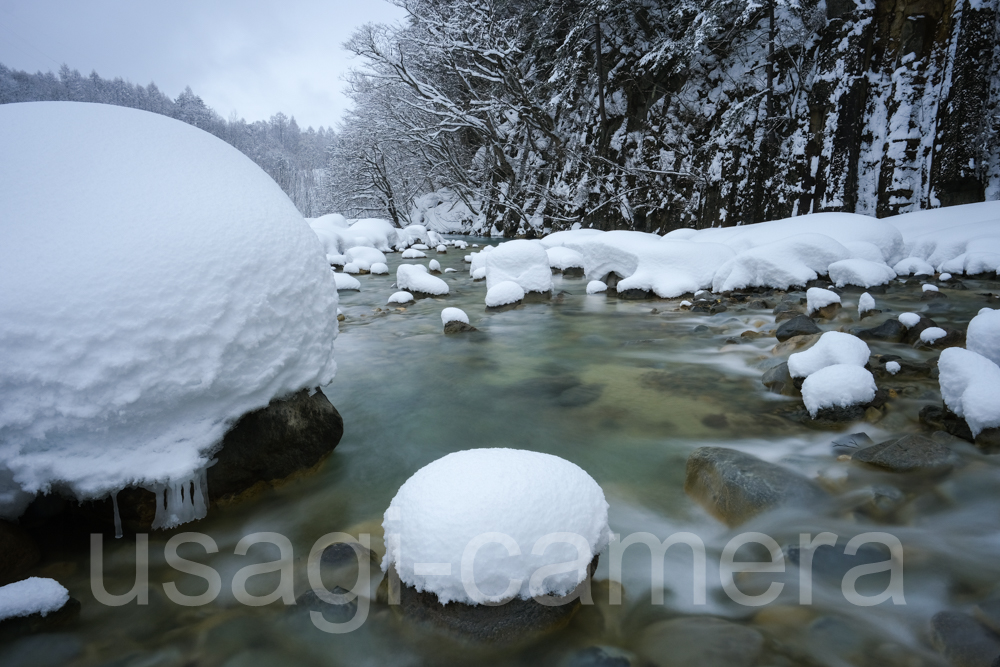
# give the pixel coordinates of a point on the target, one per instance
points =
(473, 498)
(155, 285)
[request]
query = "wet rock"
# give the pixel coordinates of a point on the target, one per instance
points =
(332, 612)
(701, 328)
(988, 613)
(964, 641)
(795, 344)
(18, 552)
(718, 308)
(800, 325)
(933, 294)
(595, 656)
(701, 641)
(779, 381)
(635, 294)
(850, 444)
(832, 563)
(840, 414)
(758, 304)
(750, 334)
(890, 331)
(911, 453)
(911, 335)
(715, 421)
(20, 626)
(870, 313)
(734, 486)
(988, 440)
(827, 312)
(455, 327)
(940, 418)
(573, 272)
(882, 503)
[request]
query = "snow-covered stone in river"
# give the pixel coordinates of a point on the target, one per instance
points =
(479, 274)
(413, 253)
(944, 277)
(929, 288)
(441, 248)
(379, 269)
(866, 303)
(450, 270)
(838, 386)
(909, 320)
(352, 268)
(860, 272)
(817, 297)
(414, 278)
(521, 261)
(503, 294)
(983, 334)
(970, 385)
(547, 511)
(892, 367)
(155, 286)
(913, 266)
(564, 258)
(421, 246)
(832, 348)
(931, 334)
(400, 297)
(453, 315)
(346, 282)
(34, 595)
(781, 264)
(434, 265)
(596, 287)
(364, 258)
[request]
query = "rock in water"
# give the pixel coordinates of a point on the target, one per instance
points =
(890, 330)
(800, 325)
(704, 641)
(18, 551)
(734, 486)
(964, 641)
(912, 453)
(458, 327)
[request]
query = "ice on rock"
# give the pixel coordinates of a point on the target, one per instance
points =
(454, 315)
(34, 595)
(504, 293)
(833, 348)
(892, 367)
(817, 297)
(346, 282)
(909, 320)
(414, 278)
(931, 334)
(379, 268)
(860, 272)
(840, 385)
(970, 385)
(180, 501)
(521, 261)
(983, 334)
(564, 258)
(413, 253)
(434, 265)
(929, 288)
(155, 286)
(866, 303)
(453, 502)
(913, 266)
(596, 287)
(400, 297)
(364, 258)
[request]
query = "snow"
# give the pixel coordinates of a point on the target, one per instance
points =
(558, 239)
(866, 302)
(970, 384)
(983, 334)
(413, 253)
(840, 385)
(33, 595)
(351, 268)
(931, 334)
(504, 293)
(479, 274)
(434, 265)
(686, 304)
(415, 278)
(945, 277)
(441, 248)
(421, 246)
(564, 258)
(860, 272)
(400, 297)
(523, 262)
(363, 257)
(346, 282)
(374, 232)
(453, 315)
(817, 297)
(451, 270)
(155, 285)
(336, 260)
(442, 211)
(908, 320)
(929, 288)
(379, 268)
(832, 348)
(892, 367)
(913, 266)
(791, 261)
(864, 250)
(955, 239)
(596, 287)
(446, 505)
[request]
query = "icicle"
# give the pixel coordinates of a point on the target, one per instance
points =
(118, 517)
(181, 501)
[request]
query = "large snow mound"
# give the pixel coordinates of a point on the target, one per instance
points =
(832, 348)
(33, 595)
(955, 239)
(983, 335)
(564, 258)
(841, 385)
(451, 505)
(970, 385)
(155, 285)
(414, 278)
(860, 272)
(364, 258)
(794, 260)
(523, 262)
(503, 294)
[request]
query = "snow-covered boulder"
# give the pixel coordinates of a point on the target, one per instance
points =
(596, 287)
(413, 253)
(983, 334)
(860, 272)
(794, 260)
(838, 386)
(379, 268)
(832, 348)
(34, 595)
(480, 273)
(330, 229)
(441, 248)
(411, 234)
(818, 298)
(548, 511)
(373, 232)
(866, 303)
(567, 236)
(414, 278)
(364, 258)
(454, 315)
(155, 286)
(346, 281)
(400, 297)
(523, 262)
(434, 266)
(564, 258)
(352, 268)
(955, 239)
(908, 320)
(931, 335)
(970, 385)
(913, 266)
(503, 294)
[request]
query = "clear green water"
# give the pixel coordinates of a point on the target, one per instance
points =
(626, 394)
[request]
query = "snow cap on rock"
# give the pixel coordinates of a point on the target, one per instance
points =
(453, 315)
(837, 386)
(817, 297)
(832, 348)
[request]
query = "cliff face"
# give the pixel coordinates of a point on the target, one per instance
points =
(892, 108)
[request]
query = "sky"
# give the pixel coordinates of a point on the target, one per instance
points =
(249, 56)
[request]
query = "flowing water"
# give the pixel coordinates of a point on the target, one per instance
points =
(626, 393)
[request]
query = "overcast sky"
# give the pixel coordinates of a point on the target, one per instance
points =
(250, 56)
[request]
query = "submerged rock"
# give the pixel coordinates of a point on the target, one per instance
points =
(800, 325)
(456, 326)
(734, 486)
(779, 381)
(964, 641)
(701, 641)
(911, 453)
